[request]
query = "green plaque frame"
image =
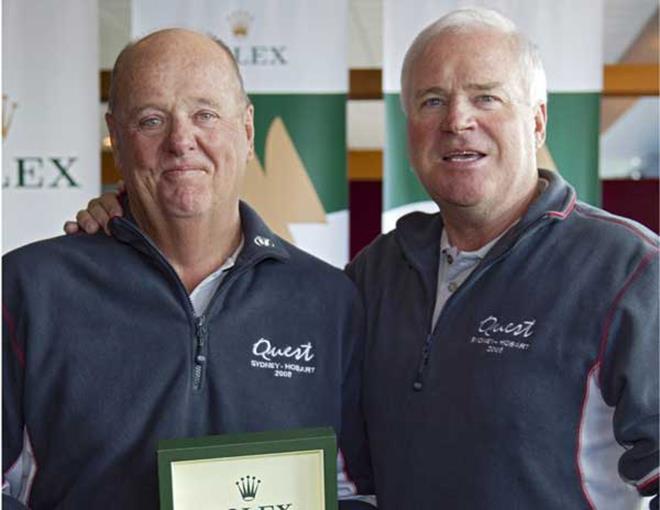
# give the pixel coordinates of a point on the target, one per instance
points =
(248, 471)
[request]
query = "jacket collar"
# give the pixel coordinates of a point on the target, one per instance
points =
(259, 241)
(555, 203)
(418, 234)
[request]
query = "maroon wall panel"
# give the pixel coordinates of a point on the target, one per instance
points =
(633, 199)
(366, 204)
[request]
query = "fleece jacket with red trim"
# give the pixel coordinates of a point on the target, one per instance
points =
(103, 357)
(538, 386)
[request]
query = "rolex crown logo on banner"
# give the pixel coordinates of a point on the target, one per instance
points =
(239, 22)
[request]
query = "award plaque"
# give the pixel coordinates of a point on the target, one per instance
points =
(280, 470)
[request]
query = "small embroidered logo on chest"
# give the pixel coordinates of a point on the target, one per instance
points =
(263, 241)
(284, 361)
(495, 335)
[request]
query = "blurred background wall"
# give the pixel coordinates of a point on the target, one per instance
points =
(626, 154)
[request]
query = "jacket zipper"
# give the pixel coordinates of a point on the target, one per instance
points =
(199, 362)
(200, 329)
(418, 384)
(201, 335)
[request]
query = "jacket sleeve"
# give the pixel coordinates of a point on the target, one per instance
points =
(354, 464)
(10, 503)
(629, 375)
(15, 463)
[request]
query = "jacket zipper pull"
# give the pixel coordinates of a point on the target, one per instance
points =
(418, 384)
(200, 358)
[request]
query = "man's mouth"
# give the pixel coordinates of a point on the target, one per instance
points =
(182, 170)
(463, 156)
(187, 168)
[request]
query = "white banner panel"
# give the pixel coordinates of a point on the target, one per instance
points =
(50, 131)
(572, 61)
(281, 45)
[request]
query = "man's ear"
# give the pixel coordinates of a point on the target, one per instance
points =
(540, 123)
(111, 122)
(248, 124)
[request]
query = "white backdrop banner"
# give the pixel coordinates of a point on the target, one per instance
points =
(50, 126)
(567, 34)
(280, 45)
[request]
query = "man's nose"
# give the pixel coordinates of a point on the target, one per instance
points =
(459, 116)
(181, 137)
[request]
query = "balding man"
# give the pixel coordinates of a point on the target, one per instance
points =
(182, 323)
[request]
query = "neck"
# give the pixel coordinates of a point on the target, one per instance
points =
(196, 247)
(467, 235)
(469, 229)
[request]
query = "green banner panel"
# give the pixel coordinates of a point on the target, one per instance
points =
(400, 184)
(316, 124)
(573, 139)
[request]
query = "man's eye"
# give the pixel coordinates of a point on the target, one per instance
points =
(431, 102)
(487, 98)
(150, 123)
(206, 116)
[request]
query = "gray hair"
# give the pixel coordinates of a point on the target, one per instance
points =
(112, 95)
(462, 20)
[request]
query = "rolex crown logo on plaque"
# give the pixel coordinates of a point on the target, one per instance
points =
(248, 487)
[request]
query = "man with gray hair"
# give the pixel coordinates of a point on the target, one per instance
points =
(512, 339)
(512, 347)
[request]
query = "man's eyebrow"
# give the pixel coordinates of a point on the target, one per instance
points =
(492, 85)
(137, 110)
(484, 86)
(198, 101)
(202, 101)
(430, 90)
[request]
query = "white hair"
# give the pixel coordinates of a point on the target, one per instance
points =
(464, 20)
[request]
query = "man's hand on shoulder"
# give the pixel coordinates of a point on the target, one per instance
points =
(98, 214)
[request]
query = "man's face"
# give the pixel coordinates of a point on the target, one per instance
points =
(181, 132)
(472, 134)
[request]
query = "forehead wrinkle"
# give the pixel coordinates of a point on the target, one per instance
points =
(173, 52)
(158, 97)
